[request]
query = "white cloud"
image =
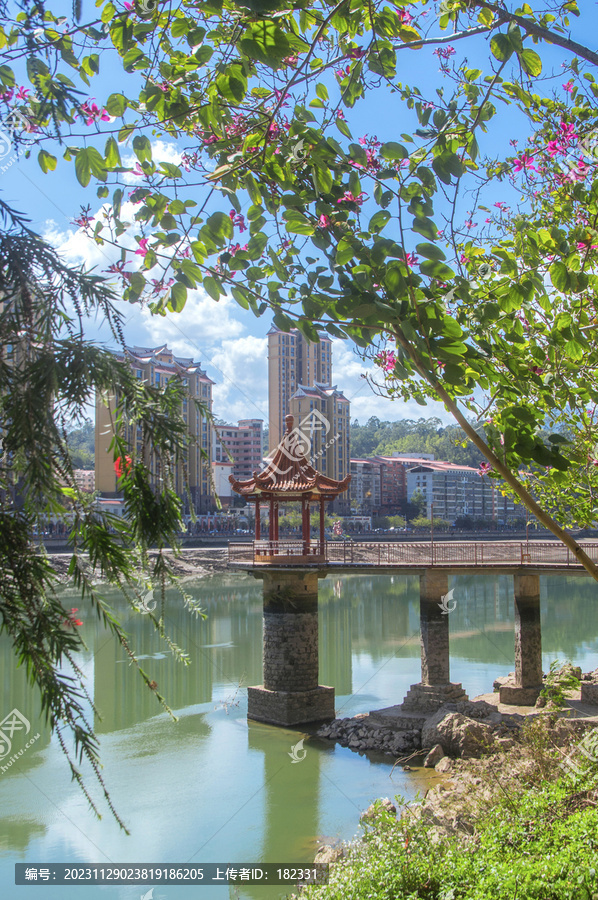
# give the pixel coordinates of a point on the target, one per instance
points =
(229, 343)
(348, 370)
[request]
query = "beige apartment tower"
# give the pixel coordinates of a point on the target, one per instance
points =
(292, 360)
(156, 366)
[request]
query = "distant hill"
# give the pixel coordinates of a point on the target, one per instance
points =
(82, 444)
(411, 436)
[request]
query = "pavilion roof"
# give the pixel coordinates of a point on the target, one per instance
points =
(289, 473)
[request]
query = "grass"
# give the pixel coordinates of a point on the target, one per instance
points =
(520, 827)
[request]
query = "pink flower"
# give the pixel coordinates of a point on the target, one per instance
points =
(484, 468)
(568, 87)
(463, 258)
(143, 248)
(290, 60)
(324, 222)
(554, 147)
(340, 73)
(238, 220)
(581, 245)
(567, 132)
(405, 17)
(537, 370)
(138, 171)
(524, 162)
(22, 93)
(83, 221)
(444, 52)
(91, 112)
(356, 53)
(501, 205)
(487, 220)
(470, 224)
(387, 359)
(348, 197)
(411, 259)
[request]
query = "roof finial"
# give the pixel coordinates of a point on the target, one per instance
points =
(289, 421)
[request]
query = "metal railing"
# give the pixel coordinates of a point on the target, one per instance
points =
(445, 554)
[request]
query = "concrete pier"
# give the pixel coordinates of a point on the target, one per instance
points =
(528, 644)
(435, 687)
(290, 694)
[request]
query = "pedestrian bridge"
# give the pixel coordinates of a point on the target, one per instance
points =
(535, 556)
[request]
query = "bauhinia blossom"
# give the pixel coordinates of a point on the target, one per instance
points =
(387, 359)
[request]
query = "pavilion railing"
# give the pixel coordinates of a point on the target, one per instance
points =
(415, 553)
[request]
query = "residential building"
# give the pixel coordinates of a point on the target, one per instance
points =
(322, 414)
(366, 486)
(156, 366)
(459, 491)
(85, 478)
(293, 360)
(244, 442)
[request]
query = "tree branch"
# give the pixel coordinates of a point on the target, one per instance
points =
(532, 28)
(503, 470)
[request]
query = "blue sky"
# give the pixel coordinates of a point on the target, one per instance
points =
(229, 341)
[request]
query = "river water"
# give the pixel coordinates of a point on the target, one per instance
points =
(212, 787)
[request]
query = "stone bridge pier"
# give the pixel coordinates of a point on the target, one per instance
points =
(524, 691)
(435, 687)
(290, 694)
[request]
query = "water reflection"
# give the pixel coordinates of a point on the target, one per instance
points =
(212, 788)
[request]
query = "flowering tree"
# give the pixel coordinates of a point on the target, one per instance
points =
(464, 263)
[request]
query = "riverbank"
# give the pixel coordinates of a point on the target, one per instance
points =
(520, 822)
(189, 563)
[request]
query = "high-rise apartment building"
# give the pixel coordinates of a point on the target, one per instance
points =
(157, 366)
(322, 414)
(293, 361)
(245, 443)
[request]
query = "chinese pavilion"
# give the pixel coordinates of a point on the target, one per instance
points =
(290, 478)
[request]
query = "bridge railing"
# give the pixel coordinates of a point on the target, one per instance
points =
(414, 553)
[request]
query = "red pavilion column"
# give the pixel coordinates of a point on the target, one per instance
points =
(321, 526)
(271, 525)
(258, 524)
(305, 525)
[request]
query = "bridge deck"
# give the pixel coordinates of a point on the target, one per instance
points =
(412, 555)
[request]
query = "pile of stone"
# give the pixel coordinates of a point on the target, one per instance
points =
(464, 729)
(589, 687)
(361, 734)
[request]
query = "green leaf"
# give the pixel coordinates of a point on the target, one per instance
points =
(220, 225)
(426, 227)
(142, 148)
(116, 104)
(213, 287)
(178, 297)
(46, 161)
(530, 62)
(111, 153)
(501, 47)
(297, 223)
(266, 42)
(82, 167)
(430, 251)
(392, 150)
(343, 128)
(378, 220)
(436, 269)
(560, 276)
(344, 251)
